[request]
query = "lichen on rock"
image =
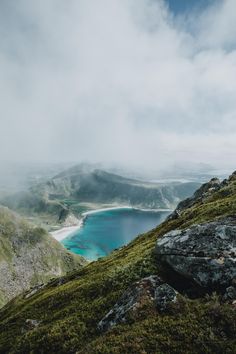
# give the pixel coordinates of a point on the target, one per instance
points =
(205, 253)
(151, 289)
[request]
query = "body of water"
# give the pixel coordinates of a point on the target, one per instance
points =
(105, 231)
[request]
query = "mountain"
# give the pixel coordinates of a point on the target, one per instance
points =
(29, 256)
(171, 290)
(99, 186)
(83, 187)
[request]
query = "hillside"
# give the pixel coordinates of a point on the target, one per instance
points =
(29, 256)
(81, 188)
(138, 299)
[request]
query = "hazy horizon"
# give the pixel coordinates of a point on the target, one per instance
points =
(146, 84)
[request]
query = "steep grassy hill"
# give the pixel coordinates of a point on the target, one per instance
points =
(29, 256)
(63, 317)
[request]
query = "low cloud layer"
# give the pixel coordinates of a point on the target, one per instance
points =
(123, 81)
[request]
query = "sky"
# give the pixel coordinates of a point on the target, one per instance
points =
(136, 82)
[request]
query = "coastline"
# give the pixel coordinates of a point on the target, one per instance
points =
(66, 231)
(123, 207)
(89, 212)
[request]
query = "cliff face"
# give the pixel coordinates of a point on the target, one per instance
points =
(138, 299)
(29, 256)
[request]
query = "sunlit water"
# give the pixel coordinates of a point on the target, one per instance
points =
(105, 231)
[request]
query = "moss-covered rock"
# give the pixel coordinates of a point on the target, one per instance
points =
(204, 254)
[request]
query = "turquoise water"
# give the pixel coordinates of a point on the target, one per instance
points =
(105, 231)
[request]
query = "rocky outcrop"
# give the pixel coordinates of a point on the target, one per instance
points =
(67, 218)
(203, 193)
(206, 190)
(204, 254)
(230, 295)
(151, 289)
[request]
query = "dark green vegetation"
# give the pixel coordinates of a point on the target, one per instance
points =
(77, 189)
(29, 256)
(67, 311)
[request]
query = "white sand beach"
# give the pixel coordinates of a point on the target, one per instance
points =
(60, 234)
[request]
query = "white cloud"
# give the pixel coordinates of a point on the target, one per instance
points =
(117, 80)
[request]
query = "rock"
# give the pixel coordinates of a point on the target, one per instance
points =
(150, 289)
(164, 295)
(34, 290)
(67, 218)
(31, 324)
(230, 294)
(204, 254)
(232, 177)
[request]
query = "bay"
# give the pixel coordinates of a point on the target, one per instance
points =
(106, 230)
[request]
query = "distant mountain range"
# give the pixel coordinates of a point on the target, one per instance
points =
(82, 187)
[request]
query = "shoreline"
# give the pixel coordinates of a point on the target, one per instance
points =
(66, 231)
(89, 212)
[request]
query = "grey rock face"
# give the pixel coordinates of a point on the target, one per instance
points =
(148, 289)
(205, 254)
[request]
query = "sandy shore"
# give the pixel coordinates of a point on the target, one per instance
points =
(60, 234)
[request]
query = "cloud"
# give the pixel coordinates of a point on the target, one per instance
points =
(123, 81)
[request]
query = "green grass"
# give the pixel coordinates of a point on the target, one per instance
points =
(70, 312)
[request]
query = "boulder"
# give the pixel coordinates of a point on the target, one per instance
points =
(230, 294)
(150, 289)
(205, 254)
(164, 295)
(31, 324)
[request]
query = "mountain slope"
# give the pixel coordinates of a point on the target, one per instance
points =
(67, 313)
(102, 187)
(29, 256)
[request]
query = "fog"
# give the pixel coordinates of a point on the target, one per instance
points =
(125, 82)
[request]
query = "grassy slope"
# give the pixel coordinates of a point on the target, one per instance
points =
(29, 256)
(70, 312)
